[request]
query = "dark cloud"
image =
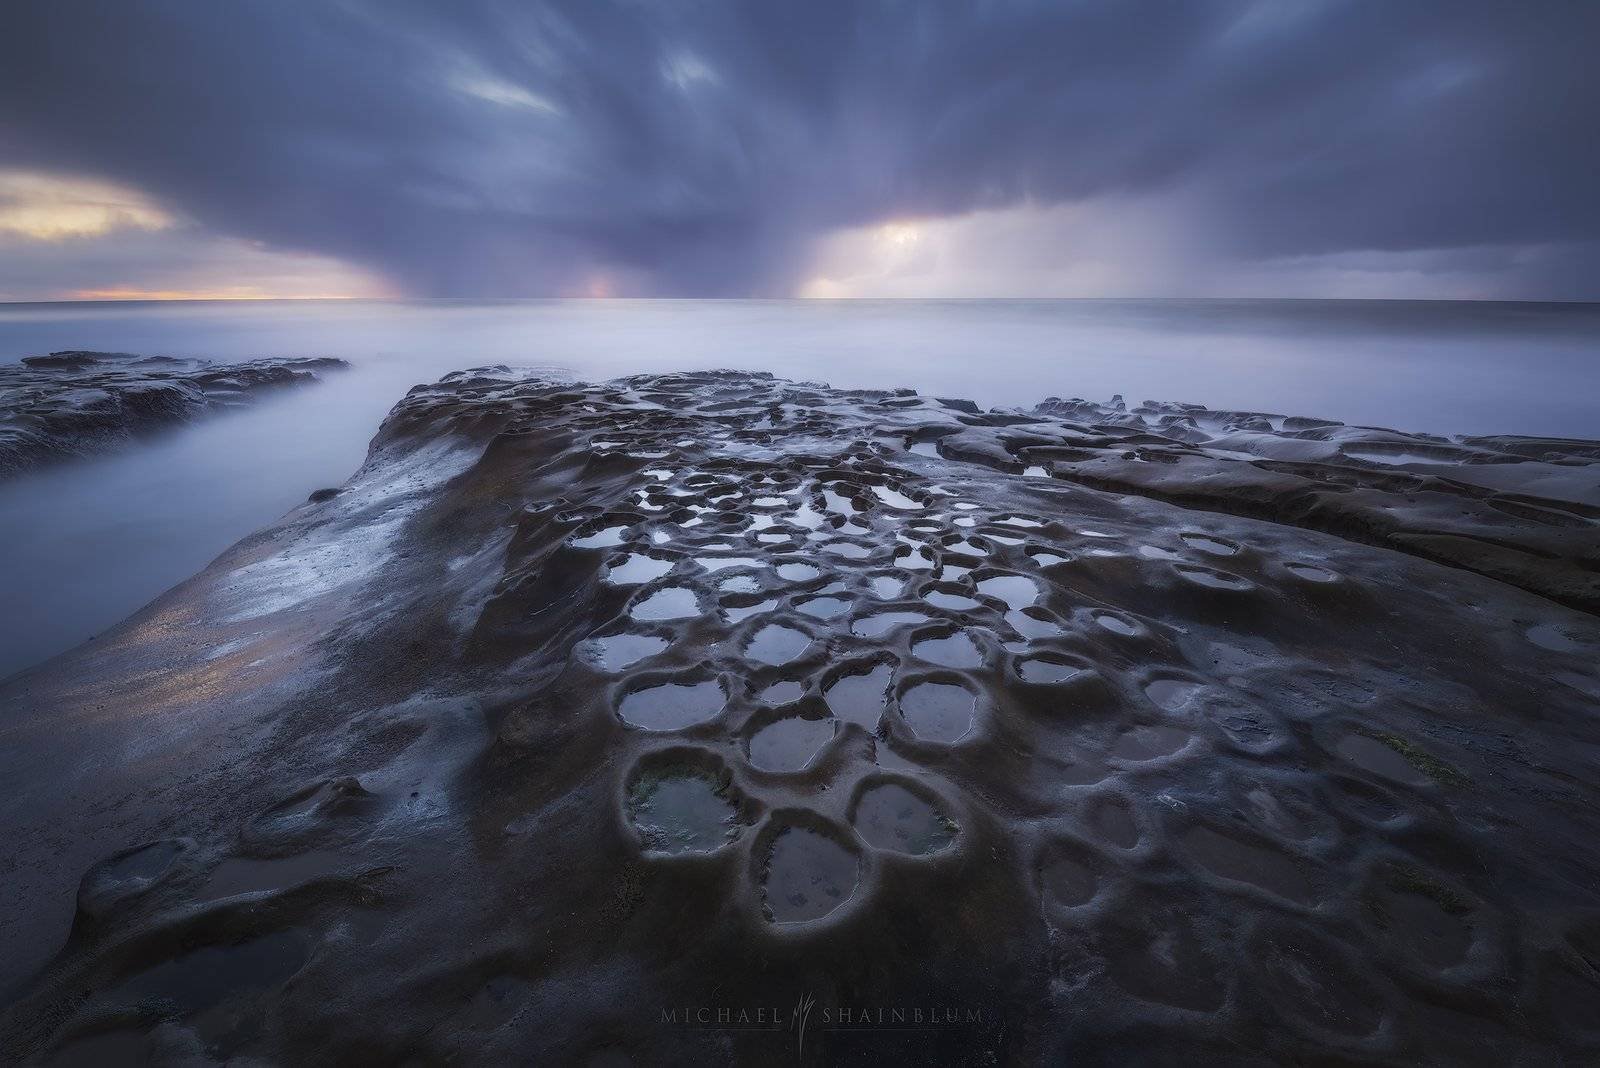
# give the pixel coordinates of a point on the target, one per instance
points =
(695, 148)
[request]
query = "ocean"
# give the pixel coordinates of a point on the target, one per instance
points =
(85, 544)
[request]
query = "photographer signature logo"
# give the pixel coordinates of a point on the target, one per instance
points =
(806, 1018)
(798, 1020)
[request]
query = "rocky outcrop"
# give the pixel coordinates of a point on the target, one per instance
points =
(673, 719)
(72, 404)
(1523, 510)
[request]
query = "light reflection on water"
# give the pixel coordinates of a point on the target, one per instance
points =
(81, 546)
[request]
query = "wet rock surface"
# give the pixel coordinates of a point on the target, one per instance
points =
(72, 404)
(1520, 509)
(584, 703)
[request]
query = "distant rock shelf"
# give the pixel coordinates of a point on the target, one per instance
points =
(77, 403)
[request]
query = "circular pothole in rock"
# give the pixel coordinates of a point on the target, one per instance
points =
(875, 626)
(613, 652)
(860, 694)
(1371, 754)
(797, 572)
(1212, 579)
(1069, 874)
(1423, 917)
(900, 818)
(1229, 856)
(1149, 742)
(1034, 622)
(895, 499)
(954, 649)
(953, 602)
(807, 870)
(1116, 624)
(1311, 981)
(671, 706)
(1312, 573)
(887, 587)
(128, 874)
(823, 607)
(939, 711)
(1559, 638)
(1048, 670)
(672, 602)
(724, 563)
(740, 584)
(1164, 959)
(683, 803)
(600, 538)
(637, 568)
(1110, 819)
(777, 644)
(1017, 591)
(207, 976)
(1208, 544)
(1172, 694)
(790, 743)
(782, 693)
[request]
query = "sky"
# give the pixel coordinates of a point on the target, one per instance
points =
(691, 148)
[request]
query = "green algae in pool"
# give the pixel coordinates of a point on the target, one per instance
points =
(682, 809)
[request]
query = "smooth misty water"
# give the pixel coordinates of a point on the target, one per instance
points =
(84, 545)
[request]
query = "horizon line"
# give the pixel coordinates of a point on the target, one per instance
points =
(784, 300)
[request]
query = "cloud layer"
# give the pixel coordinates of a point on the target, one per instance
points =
(719, 149)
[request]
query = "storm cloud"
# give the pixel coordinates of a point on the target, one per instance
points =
(716, 149)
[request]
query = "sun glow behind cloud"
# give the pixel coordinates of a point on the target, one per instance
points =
(52, 208)
(74, 238)
(1103, 247)
(1120, 247)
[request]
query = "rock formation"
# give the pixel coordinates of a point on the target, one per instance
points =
(71, 404)
(720, 718)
